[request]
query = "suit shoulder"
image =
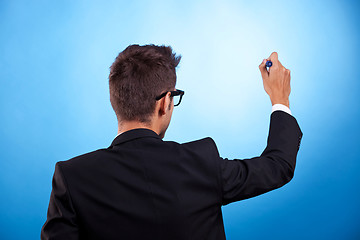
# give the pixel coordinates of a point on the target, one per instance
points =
(83, 159)
(204, 145)
(207, 140)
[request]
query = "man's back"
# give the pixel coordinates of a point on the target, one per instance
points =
(143, 187)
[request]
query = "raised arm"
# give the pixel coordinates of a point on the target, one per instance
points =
(275, 167)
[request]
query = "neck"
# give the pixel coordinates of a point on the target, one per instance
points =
(125, 126)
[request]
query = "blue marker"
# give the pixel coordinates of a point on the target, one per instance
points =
(268, 63)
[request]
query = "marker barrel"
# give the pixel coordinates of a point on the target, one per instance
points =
(268, 63)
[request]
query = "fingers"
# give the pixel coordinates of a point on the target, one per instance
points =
(263, 70)
(273, 57)
(287, 71)
(275, 60)
(287, 74)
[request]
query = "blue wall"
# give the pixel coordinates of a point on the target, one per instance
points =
(54, 100)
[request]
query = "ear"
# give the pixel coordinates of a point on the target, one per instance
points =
(164, 104)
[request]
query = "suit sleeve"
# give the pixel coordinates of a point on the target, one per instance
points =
(61, 217)
(242, 179)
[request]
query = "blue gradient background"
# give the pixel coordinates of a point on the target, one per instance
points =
(54, 100)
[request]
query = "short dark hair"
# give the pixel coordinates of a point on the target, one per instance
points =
(138, 75)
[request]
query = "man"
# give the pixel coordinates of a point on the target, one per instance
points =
(142, 187)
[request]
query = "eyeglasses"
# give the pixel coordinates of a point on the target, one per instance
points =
(177, 95)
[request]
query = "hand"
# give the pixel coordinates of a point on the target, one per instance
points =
(276, 81)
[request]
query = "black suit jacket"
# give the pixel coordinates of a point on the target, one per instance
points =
(142, 187)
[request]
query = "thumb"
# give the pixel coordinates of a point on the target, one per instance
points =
(263, 70)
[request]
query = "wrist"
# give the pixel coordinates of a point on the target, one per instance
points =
(280, 101)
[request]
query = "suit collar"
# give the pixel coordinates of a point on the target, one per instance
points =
(134, 134)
